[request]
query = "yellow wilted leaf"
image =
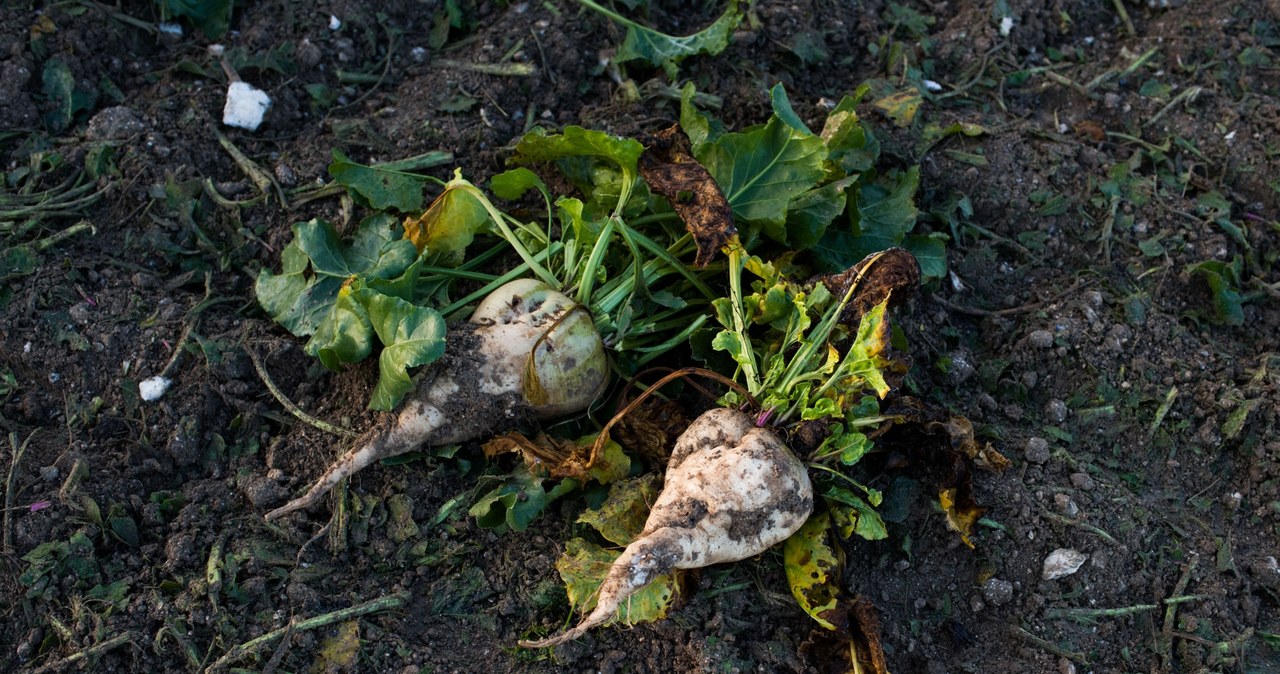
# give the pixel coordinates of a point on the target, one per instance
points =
(813, 568)
(446, 228)
(621, 517)
(960, 516)
(583, 567)
(338, 653)
(901, 107)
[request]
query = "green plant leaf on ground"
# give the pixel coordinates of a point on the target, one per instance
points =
(700, 128)
(412, 336)
(512, 184)
(212, 17)
(763, 170)
(69, 98)
(301, 302)
(811, 213)
(622, 515)
(18, 261)
(602, 166)
(850, 143)
(659, 49)
(930, 251)
(1223, 279)
(812, 568)
(782, 110)
(852, 514)
(885, 213)
(518, 500)
(380, 187)
(583, 567)
(346, 336)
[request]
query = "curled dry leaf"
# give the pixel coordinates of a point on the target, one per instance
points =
(892, 274)
(562, 458)
(669, 168)
(854, 643)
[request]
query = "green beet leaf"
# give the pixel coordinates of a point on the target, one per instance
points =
(346, 336)
(852, 147)
(380, 187)
(885, 213)
(512, 185)
(811, 213)
(518, 501)
(301, 302)
(412, 336)
(782, 110)
(762, 171)
(660, 49)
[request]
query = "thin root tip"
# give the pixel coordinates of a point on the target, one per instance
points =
(281, 511)
(551, 642)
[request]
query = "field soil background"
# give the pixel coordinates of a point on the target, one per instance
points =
(1110, 321)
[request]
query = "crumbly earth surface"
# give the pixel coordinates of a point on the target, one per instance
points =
(1118, 200)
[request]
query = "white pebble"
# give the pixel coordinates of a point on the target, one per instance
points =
(170, 28)
(1006, 25)
(334, 22)
(246, 106)
(1062, 563)
(153, 388)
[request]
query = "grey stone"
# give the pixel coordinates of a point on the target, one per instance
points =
(997, 592)
(1037, 450)
(114, 123)
(1082, 481)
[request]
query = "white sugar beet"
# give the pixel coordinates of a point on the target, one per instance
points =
(481, 385)
(731, 491)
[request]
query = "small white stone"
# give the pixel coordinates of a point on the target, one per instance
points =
(170, 28)
(334, 22)
(1062, 563)
(1006, 25)
(246, 106)
(932, 86)
(153, 388)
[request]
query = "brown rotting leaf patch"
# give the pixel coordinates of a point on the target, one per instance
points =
(670, 169)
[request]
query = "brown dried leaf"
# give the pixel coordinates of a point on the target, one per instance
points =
(1091, 130)
(893, 274)
(669, 168)
(853, 646)
(960, 432)
(562, 458)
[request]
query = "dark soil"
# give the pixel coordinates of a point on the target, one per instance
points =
(1080, 329)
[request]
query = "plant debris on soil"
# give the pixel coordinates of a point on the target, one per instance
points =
(1098, 194)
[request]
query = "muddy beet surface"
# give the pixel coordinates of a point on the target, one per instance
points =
(1110, 323)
